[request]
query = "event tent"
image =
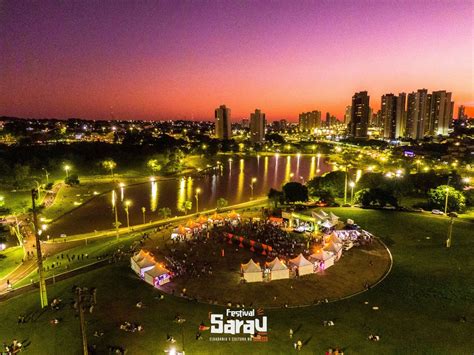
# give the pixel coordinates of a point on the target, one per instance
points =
(251, 272)
(324, 258)
(145, 264)
(278, 270)
(302, 264)
(335, 248)
(333, 237)
(327, 224)
(141, 262)
(157, 275)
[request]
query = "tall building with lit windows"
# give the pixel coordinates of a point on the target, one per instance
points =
(308, 121)
(223, 127)
(393, 115)
(257, 126)
(359, 115)
(441, 113)
(418, 112)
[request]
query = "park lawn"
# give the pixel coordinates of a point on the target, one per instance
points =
(95, 249)
(9, 260)
(17, 201)
(420, 304)
(70, 197)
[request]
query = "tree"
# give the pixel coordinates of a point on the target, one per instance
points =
(375, 197)
(186, 206)
(222, 202)
(294, 191)
(456, 199)
(275, 197)
(72, 179)
(109, 164)
(165, 212)
(154, 165)
(332, 182)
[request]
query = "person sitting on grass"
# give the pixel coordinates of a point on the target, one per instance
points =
(373, 337)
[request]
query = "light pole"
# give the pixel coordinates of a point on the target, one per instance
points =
(143, 212)
(39, 255)
(47, 175)
(345, 187)
(450, 230)
(352, 184)
(253, 181)
(67, 168)
(196, 196)
(127, 204)
(291, 176)
(302, 179)
(447, 196)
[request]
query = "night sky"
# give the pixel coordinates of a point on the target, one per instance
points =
(172, 59)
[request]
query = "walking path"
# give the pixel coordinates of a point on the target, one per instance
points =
(58, 245)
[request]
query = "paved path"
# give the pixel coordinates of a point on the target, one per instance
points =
(58, 245)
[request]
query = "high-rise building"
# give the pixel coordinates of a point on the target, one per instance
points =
(389, 115)
(401, 116)
(308, 121)
(418, 104)
(393, 115)
(245, 123)
(327, 124)
(461, 112)
(441, 113)
(257, 126)
(347, 115)
(359, 115)
(223, 128)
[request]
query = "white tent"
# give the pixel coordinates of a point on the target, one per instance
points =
(302, 264)
(335, 248)
(251, 272)
(157, 275)
(327, 224)
(322, 213)
(135, 259)
(334, 219)
(334, 238)
(278, 270)
(318, 217)
(323, 258)
(145, 264)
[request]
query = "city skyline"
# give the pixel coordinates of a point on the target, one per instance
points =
(157, 61)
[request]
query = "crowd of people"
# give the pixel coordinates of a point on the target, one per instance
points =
(180, 262)
(266, 232)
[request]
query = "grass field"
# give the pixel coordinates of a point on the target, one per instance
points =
(9, 260)
(420, 304)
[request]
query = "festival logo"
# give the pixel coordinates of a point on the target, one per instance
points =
(239, 325)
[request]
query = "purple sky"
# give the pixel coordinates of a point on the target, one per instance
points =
(171, 59)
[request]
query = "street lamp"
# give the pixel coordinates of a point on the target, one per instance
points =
(67, 168)
(143, 212)
(47, 175)
(302, 179)
(127, 204)
(447, 196)
(196, 196)
(291, 176)
(352, 184)
(253, 181)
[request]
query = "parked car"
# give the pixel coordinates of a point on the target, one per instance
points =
(437, 212)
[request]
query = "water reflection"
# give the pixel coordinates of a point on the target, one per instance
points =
(312, 167)
(231, 181)
(288, 168)
(181, 193)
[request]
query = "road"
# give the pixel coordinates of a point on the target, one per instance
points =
(59, 245)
